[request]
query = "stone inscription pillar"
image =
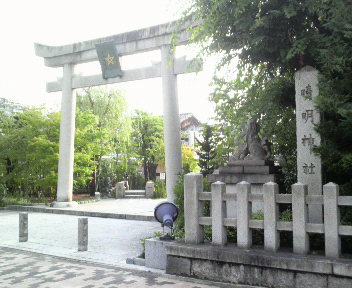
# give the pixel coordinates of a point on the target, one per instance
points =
(307, 117)
(67, 136)
(172, 134)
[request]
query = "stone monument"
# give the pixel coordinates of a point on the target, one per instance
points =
(307, 117)
(249, 163)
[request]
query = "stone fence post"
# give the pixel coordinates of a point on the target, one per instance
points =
(149, 189)
(193, 208)
(300, 218)
(23, 227)
(331, 220)
(244, 209)
(120, 189)
(271, 212)
(82, 234)
(218, 212)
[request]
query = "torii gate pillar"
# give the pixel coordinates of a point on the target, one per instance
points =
(67, 137)
(172, 134)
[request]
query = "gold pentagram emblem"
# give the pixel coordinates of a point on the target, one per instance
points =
(109, 60)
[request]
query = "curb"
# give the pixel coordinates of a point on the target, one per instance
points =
(79, 213)
(136, 261)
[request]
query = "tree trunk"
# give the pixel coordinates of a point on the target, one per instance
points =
(93, 184)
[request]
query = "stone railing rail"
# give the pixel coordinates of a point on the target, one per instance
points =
(331, 228)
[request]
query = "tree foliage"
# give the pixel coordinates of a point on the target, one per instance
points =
(111, 137)
(265, 43)
(29, 151)
(206, 150)
(148, 140)
(189, 161)
(29, 143)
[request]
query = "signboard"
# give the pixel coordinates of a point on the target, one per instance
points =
(109, 60)
(162, 176)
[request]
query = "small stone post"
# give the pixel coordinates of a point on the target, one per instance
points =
(331, 220)
(120, 190)
(23, 227)
(271, 212)
(149, 189)
(244, 208)
(193, 208)
(218, 212)
(97, 196)
(300, 218)
(82, 234)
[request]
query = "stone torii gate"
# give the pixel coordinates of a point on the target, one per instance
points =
(152, 38)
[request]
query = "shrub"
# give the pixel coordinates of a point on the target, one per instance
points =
(14, 200)
(160, 189)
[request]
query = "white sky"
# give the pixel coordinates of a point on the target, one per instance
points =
(57, 22)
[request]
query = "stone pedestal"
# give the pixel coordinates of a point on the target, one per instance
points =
(120, 190)
(149, 189)
(97, 196)
(255, 172)
(57, 204)
(155, 253)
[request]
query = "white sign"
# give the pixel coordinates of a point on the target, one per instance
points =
(162, 176)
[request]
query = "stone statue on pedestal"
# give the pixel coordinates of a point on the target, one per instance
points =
(254, 148)
(249, 163)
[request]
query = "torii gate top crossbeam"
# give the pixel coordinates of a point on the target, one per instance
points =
(141, 40)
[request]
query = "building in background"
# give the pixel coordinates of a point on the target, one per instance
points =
(191, 129)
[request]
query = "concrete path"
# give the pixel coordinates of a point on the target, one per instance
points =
(121, 206)
(50, 258)
(111, 241)
(20, 269)
(132, 209)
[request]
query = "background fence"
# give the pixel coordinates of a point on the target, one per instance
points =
(331, 228)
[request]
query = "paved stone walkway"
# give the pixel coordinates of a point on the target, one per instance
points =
(121, 206)
(110, 242)
(19, 269)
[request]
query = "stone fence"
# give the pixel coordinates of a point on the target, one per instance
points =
(331, 228)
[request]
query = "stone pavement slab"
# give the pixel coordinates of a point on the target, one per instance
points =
(121, 206)
(131, 209)
(21, 269)
(110, 241)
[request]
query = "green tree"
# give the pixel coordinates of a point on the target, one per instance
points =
(113, 129)
(189, 160)
(148, 138)
(206, 150)
(29, 151)
(267, 42)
